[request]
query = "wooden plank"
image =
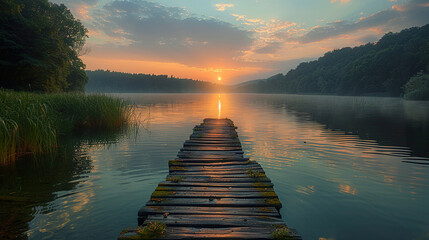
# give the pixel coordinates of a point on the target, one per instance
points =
(234, 233)
(199, 168)
(189, 194)
(221, 162)
(215, 202)
(206, 175)
(202, 141)
(210, 154)
(215, 221)
(205, 155)
(207, 161)
(214, 139)
(212, 173)
(222, 180)
(225, 184)
(227, 153)
(211, 148)
(213, 164)
(211, 189)
(214, 131)
(202, 144)
(250, 211)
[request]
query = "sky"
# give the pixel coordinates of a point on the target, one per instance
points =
(237, 40)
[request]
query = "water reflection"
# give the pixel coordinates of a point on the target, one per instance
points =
(219, 108)
(32, 188)
(339, 165)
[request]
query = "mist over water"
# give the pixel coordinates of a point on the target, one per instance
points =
(343, 167)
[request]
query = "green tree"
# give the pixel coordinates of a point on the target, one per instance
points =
(39, 46)
(417, 88)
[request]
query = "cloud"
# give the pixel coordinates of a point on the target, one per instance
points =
(145, 30)
(340, 1)
(415, 13)
(79, 8)
(223, 6)
(269, 48)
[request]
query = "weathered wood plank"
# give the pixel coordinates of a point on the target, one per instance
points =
(228, 139)
(212, 189)
(203, 152)
(247, 195)
(208, 179)
(225, 184)
(219, 155)
(211, 148)
(250, 211)
(203, 141)
(215, 168)
(212, 173)
(215, 221)
(200, 144)
(207, 161)
(206, 175)
(215, 202)
(235, 233)
(219, 163)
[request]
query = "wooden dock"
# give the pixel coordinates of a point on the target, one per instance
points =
(212, 192)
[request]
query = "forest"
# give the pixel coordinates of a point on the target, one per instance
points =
(40, 44)
(382, 69)
(110, 81)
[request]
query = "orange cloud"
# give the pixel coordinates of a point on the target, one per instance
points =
(398, 8)
(223, 6)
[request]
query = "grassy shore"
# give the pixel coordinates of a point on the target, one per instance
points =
(31, 122)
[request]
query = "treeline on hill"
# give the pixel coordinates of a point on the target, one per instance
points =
(109, 81)
(381, 68)
(40, 44)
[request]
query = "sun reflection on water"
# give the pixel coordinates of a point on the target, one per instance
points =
(219, 108)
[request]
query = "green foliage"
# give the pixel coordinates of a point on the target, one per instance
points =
(152, 230)
(417, 88)
(107, 81)
(31, 122)
(40, 44)
(380, 68)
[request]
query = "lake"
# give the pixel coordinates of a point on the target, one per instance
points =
(343, 167)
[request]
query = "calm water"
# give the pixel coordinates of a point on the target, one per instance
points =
(343, 167)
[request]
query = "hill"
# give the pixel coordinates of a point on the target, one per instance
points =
(380, 68)
(108, 81)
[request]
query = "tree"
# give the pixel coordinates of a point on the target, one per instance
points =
(39, 46)
(417, 88)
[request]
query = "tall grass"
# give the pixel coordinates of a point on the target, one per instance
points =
(31, 122)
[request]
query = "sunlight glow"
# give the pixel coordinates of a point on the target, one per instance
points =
(219, 78)
(219, 108)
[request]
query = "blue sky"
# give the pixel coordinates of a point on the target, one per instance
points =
(238, 40)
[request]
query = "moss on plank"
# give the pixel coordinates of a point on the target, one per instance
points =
(177, 168)
(282, 232)
(175, 179)
(152, 230)
(157, 194)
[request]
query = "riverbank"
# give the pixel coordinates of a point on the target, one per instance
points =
(32, 122)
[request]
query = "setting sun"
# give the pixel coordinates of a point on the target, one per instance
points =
(219, 79)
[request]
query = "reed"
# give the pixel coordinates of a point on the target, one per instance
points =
(31, 122)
